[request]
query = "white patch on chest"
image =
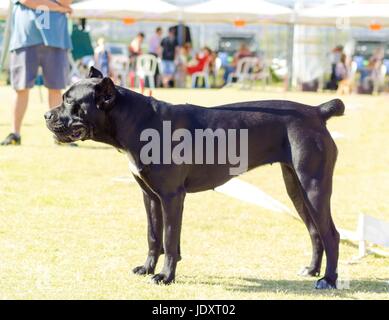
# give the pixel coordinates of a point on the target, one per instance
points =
(132, 166)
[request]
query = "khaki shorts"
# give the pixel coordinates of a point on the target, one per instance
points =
(24, 64)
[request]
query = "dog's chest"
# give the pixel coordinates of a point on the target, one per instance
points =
(135, 170)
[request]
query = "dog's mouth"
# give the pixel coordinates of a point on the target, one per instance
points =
(78, 134)
(69, 134)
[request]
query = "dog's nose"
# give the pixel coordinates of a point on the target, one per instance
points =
(49, 115)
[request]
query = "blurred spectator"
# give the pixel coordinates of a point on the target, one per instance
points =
(371, 72)
(202, 60)
(342, 72)
(135, 48)
(182, 60)
(37, 43)
(341, 68)
(243, 52)
(102, 58)
(155, 42)
(155, 49)
(168, 45)
(201, 63)
(336, 55)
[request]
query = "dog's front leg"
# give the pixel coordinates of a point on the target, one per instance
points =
(172, 207)
(154, 234)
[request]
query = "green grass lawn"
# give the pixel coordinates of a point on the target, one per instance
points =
(69, 230)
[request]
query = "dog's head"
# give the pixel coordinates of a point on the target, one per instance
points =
(84, 111)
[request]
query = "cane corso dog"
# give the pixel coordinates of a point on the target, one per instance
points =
(293, 134)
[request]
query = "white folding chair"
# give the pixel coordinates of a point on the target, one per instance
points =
(146, 67)
(242, 72)
(263, 74)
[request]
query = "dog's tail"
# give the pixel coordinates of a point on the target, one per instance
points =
(331, 108)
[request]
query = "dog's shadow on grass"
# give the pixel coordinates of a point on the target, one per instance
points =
(97, 147)
(298, 287)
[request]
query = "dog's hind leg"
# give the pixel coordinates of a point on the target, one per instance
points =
(314, 170)
(295, 193)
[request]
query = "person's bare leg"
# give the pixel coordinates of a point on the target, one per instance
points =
(165, 81)
(55, 98)
(19, 109)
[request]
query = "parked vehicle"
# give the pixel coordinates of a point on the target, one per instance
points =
(229, 43)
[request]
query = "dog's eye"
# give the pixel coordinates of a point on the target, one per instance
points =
(67, 101)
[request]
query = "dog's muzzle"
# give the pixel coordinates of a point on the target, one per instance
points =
(75, 131)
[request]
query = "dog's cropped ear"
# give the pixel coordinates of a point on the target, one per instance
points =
(94, 73)
(105, 94)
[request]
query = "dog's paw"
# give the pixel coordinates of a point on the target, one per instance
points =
(308, 272)
(161, 278)
(324, 283)
(142, 270)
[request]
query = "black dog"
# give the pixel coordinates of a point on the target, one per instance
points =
(278, 131)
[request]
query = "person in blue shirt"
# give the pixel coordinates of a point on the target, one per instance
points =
(39, 38)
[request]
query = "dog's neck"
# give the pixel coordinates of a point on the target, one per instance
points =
(132, 113)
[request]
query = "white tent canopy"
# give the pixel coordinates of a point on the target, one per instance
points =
(119, 9)
(232, 10)
(354, 14)
(360, 13)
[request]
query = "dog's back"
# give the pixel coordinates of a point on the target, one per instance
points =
(248, 113)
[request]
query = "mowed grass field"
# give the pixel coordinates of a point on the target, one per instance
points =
(68, 230)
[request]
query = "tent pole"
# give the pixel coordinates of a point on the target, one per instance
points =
(291, 43)
(202, 35)
(290, 55)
